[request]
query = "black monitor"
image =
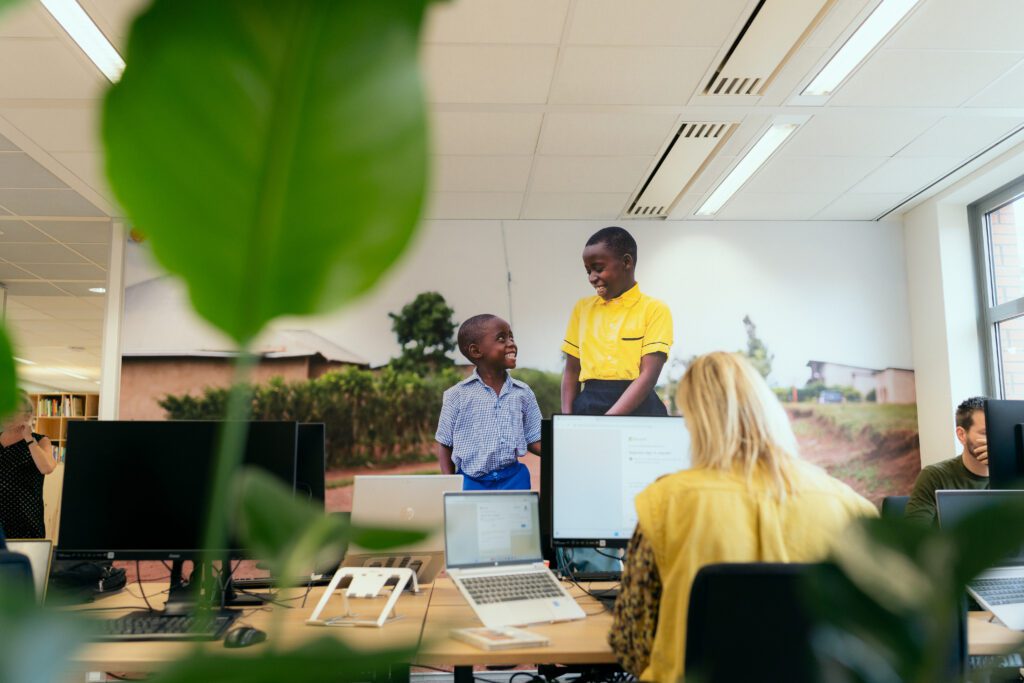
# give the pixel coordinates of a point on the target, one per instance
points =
(596, 466)
(139, 490)
(311, 463)
(1004, 431)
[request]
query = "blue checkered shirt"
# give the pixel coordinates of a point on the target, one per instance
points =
(486, 432)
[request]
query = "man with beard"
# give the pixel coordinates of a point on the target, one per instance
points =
(968, 470)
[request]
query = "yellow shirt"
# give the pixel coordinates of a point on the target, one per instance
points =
(699, 517)
(610, 337)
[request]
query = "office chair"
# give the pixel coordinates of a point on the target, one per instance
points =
(894, 506)
(747, 621)
(16, 572)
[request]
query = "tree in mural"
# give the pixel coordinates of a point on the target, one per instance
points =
(757, 352)
(425, 331)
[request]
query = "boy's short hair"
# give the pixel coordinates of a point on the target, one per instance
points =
(471, 330)
(618, 240)
(965, 411)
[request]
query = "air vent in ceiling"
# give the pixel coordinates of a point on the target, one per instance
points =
(691, 148)
(775, 29)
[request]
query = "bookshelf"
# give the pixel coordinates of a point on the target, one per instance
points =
(55, 410)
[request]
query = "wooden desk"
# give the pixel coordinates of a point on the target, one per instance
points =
(572, 642)
(148, 656)
(985, 637)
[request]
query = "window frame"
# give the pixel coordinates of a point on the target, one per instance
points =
(990, 314)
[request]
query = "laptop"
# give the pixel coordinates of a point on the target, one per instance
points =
(39, 552)
(492, 546)
(999, 590)
(412, 502)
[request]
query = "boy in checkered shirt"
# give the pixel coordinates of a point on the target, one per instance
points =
(489, 420)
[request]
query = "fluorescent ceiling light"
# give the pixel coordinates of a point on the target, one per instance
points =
(863, 41)
(70, 15)
(26, 362)
(748, 165)
(98, 290)
(71, 374)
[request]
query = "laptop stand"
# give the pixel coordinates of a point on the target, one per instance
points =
(367, 582)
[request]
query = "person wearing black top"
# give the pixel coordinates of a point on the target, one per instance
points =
(25, 458)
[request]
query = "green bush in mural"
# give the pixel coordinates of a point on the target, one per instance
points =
(547, 387)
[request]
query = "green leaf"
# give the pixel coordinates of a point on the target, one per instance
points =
(274, 153)
(8, 375)
(325, 659)
(4, 4)
(37, 644)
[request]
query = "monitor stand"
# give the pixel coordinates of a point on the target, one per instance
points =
(181, 597)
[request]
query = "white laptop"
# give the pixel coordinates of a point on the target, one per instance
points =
(492, 546)
(408, 502)
(39, 552)
(1000, 590)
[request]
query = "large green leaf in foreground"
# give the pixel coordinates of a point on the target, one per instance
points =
(8, 376)
(274, 153)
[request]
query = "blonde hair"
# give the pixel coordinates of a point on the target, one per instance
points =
(735, 421)
(24, 406)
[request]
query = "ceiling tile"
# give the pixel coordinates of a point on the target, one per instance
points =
(56, 73)
(19, 170)
(575, 205)
(24, 312)
(691, 23)
(488, 73)
(82, 289)
(711, 174)
(7, 146)
(629, 75)
(957, 25)
(27, 20)
(83, 313)
(40, 253)
(33, 289)
(79, 232)
(54, 305)
(487, 133)
(9, 271)
(59, 129)
(537, 22)
(67, 271)
(836, 23)
(905, 175)
(47, 203)
(960, 136)
(114, 17)
(859, 207)
(922, 78)
(776, 206)
(99, 253)
(19, 231)
(475, 205)
(88, 166)
(811, 175)
(868, 134)
(1006, 91)
(589, 174)
(601, 133)
(482, 174)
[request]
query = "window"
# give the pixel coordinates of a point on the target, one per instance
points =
(997, 223)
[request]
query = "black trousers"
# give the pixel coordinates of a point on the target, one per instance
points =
(599, 395)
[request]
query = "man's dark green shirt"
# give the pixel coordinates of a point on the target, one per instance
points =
(948, 474)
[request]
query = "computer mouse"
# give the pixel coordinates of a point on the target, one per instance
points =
(244, 637)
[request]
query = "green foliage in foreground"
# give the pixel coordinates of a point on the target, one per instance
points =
(371, 417)
(8, 375)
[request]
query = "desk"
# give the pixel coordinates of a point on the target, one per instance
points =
(990, 638)
(148, 656)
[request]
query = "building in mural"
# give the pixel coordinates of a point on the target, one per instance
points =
(888, 385)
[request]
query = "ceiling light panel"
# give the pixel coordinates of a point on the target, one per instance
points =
(83, 30)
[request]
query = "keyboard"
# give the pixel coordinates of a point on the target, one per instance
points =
(157, 626)
(1000, 591)
(486, 590)
(1008, 661)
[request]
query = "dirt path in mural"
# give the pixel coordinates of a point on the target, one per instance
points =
(874, 466)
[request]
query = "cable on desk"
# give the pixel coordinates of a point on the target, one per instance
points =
(138, 579)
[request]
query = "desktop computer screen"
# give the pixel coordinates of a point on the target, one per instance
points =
(1004, 431)
(311, 463)
(139, 490)
(598, 465)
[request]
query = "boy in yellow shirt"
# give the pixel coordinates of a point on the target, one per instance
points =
(616, 342)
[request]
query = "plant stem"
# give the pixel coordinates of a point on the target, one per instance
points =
(228, 460)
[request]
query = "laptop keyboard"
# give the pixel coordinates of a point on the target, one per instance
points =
(1000, 591)
(512, 587)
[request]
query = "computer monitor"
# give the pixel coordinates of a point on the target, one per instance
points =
(311, 463)
(140, 490)
(1004, 431)
(598, 463)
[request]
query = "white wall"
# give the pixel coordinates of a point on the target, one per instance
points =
(833, 291)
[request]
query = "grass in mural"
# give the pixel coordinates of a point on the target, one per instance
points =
(348, 481)
(877, 418)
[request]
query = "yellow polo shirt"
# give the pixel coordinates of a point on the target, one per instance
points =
(610, 337)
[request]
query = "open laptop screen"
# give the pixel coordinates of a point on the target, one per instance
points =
(953, 506)
(491, 528)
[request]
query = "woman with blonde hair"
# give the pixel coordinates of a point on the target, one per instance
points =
(747, 498)
(25, 458)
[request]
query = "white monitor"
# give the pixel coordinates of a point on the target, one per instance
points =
(599, 464)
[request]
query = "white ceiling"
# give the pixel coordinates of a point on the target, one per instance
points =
(541, 109)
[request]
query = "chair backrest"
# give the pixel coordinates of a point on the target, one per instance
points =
(894, 506)
(748, 621)
(16, 572)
